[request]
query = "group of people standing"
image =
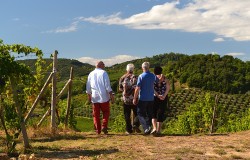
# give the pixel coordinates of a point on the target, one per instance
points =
(144, 95)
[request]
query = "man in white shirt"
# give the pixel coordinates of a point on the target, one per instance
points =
(100, 93)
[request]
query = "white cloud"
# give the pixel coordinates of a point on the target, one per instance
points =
(240, 55)
(236, 54)
(71, 28)
(218, 40)
(225, 18)
(108, 61)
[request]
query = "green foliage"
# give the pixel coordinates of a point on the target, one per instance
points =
(72, 121)
(212, 72)
(62, 107)
(119, 123)
(208, 72)
(10, 115)
(197, 116)
(196, 119)
(200, 114)
(235, 123)
(227, 104)
(15, 78)
(64, 65)
(180, 126)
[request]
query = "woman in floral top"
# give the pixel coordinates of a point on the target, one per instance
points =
(160, 103)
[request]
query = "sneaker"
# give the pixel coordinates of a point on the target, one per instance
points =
(153, 132)
(128, 132)
(105, 130)
(147, 131)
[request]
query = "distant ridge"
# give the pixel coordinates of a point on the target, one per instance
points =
(80, 69)
(210, 72)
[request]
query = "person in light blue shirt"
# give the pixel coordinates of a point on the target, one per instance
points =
(144, 97)
(100, 93)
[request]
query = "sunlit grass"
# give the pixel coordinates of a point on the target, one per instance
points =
(84, 124)
(220, 151)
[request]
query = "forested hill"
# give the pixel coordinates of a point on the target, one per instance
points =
(157, 60)
(224, 74)
(213, 72)
(80, 69)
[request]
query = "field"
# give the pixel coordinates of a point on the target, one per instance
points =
(89, 146)
(236, 104)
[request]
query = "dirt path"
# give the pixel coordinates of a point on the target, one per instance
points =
(121, 146)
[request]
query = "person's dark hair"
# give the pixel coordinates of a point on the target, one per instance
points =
(157, 70)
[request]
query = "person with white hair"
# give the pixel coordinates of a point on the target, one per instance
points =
(100, 94)
(144, 97)
(127, 86)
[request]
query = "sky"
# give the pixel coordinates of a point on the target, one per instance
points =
(116, 31)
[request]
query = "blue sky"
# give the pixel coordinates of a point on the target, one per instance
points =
(119, 30)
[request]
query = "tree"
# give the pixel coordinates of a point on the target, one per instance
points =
(14, 77)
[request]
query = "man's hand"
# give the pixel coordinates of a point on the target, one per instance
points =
(135, 101)
(112, 97)
(89, 98)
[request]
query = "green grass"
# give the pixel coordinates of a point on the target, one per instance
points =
(84, 124)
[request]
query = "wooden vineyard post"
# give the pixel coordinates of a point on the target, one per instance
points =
(44, 116)
(67, 85)
(53, 96)
(38, 97)
(212, 123)
(69, 98)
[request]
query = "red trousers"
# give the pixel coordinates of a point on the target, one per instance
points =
(96, 108)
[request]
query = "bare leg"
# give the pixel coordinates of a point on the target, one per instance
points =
(154, 124)
(159, 124)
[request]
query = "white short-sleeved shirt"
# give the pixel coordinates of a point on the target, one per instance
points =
(98, 85)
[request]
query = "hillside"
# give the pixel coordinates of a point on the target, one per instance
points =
(224, 74)
(179, 101)
(64, 65)
(200, 73)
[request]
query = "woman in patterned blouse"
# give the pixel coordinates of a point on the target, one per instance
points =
(160, 103)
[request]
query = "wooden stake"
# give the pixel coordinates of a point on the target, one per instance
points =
(53, 96)
(42, 119)
(38, 97)
(212, 123)
(69, 98)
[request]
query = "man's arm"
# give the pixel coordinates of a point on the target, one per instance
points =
(107, 82)
(167, 89)
(112, 97)
(120, 84)
(88, 89)
(136, 95)
(108, 87)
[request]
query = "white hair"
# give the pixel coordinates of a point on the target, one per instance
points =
(145, 65)
(130, 67)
